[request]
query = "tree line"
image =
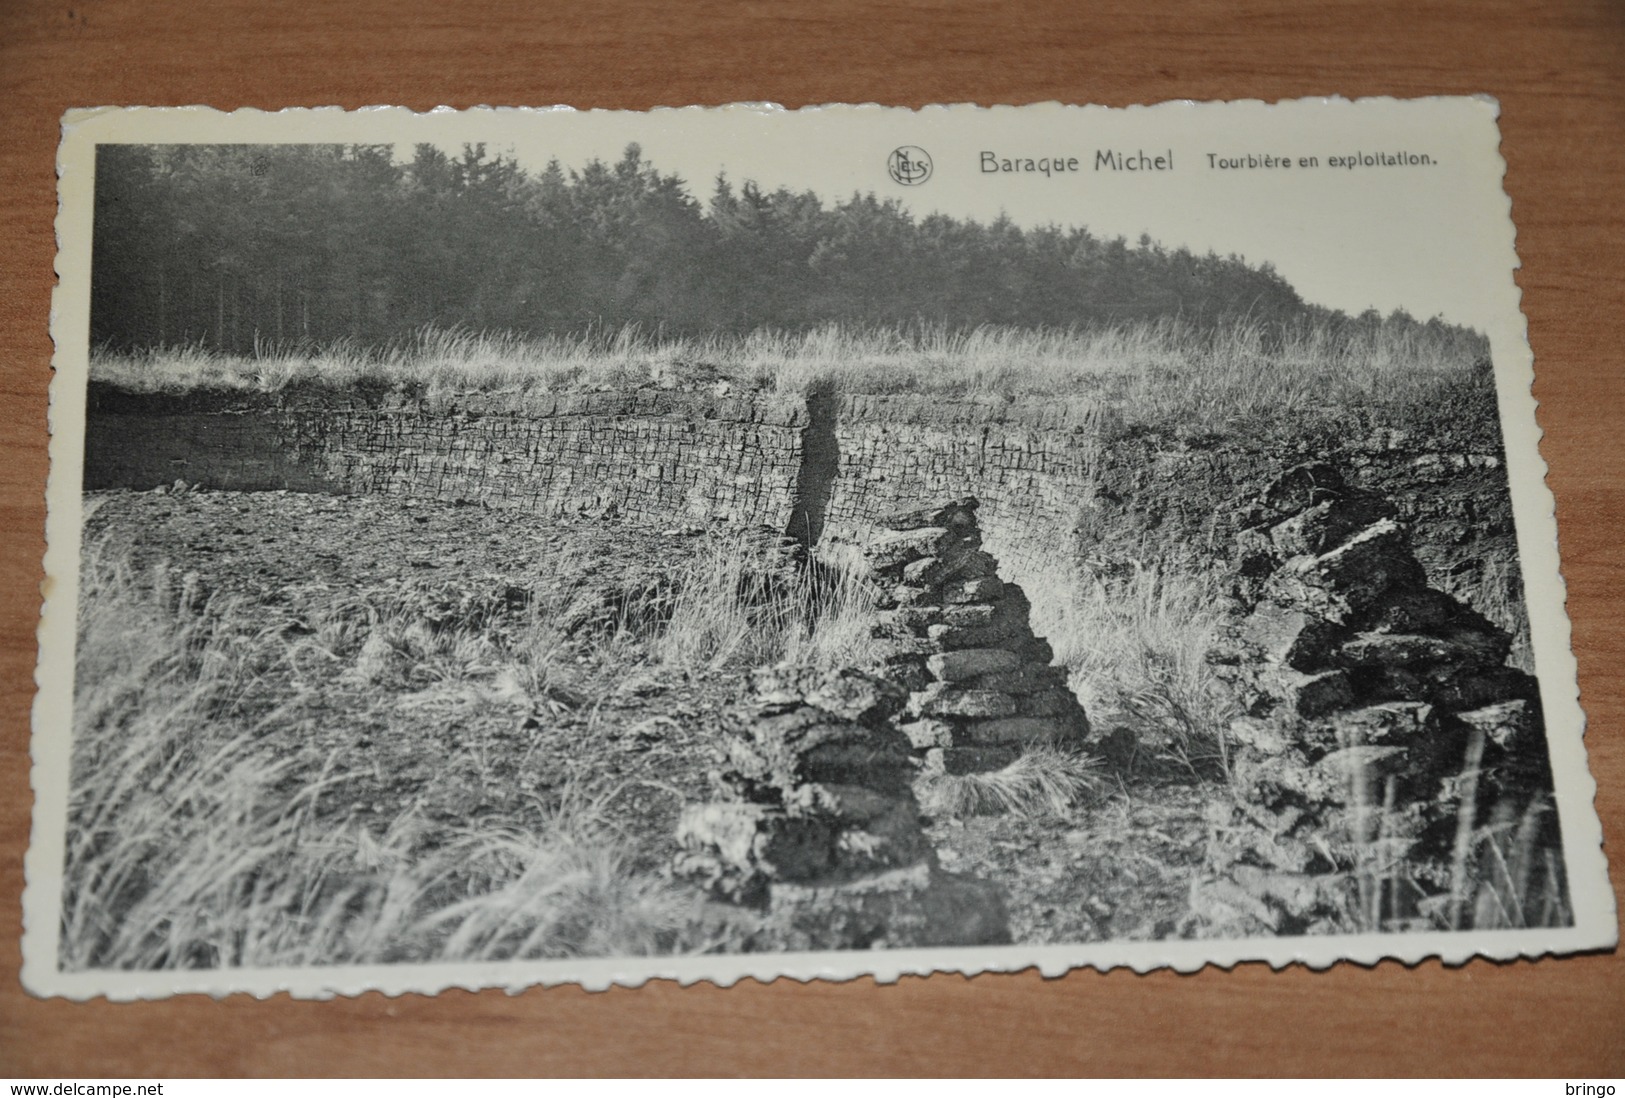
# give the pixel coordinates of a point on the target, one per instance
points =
(238, 246)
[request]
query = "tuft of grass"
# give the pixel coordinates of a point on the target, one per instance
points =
(1520, 875)
(572, 889)
(739, 606)
(1042, 781)
(1504, 872)
(837, 628)
(1136, 647)
(1500, 873)
(728, 609)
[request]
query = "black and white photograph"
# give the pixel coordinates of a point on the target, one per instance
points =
(513, 547)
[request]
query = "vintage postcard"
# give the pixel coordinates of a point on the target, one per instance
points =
(514, 547)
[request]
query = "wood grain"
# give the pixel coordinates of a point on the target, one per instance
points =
(1558, 70)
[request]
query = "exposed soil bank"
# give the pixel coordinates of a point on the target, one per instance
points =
(1057, 479)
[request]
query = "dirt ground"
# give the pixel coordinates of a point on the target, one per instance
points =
(437, 738)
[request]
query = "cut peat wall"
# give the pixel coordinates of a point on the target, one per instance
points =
(644, 456)
(1062, 476)
(1055, 477)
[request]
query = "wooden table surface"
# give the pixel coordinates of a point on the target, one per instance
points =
(1558, 70)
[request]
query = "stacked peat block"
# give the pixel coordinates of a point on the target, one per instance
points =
(817, 828)
(958, 638)
(1379, 711)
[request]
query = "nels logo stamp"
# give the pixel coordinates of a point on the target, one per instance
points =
(909, 165)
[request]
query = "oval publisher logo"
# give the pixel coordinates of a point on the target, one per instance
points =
(909, 165)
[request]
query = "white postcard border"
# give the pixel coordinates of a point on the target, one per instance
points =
(1596, 925)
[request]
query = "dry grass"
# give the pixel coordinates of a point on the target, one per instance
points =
(1136, 648)
(1517, 871)
(734, 607)
(1503, 873)
(199, 837)
(1042, 781)
(1154, 371)
(208, 828)
(1391, 865)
